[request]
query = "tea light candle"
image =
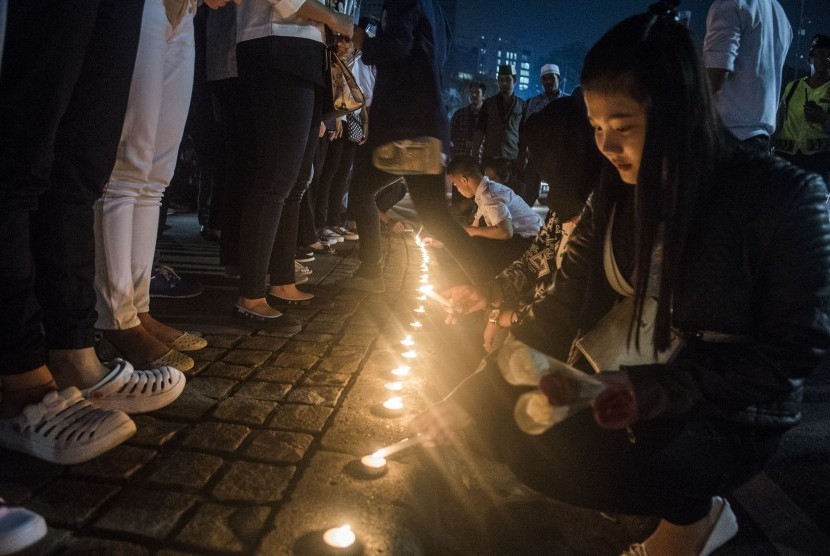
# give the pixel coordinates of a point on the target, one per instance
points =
(396, 386)
(421, 297)
(403, 370)
(425, 279)
(420, 309)
(411, 354)
(408, 341)
(393, 404)
(415, 325)
(373, 464)
(430, 292)
(340, 537)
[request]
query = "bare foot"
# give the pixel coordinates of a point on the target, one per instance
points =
(80, 368)
(160, 331)
(24, 389)
(291, 292)
(138, 346)
(259, 306)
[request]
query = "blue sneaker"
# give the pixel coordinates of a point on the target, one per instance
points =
(164, 282)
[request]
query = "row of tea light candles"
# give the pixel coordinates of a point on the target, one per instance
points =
(375, 464)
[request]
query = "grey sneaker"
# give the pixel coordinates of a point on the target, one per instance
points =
(370, 285)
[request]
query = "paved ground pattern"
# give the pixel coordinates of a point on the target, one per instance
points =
(260, 454)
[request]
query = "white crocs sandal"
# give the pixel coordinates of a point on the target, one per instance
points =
(188, 341)
(65, 428)
(134, 391)
(19, 528)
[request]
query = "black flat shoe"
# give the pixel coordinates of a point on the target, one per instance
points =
(276, 300)
(282, 323)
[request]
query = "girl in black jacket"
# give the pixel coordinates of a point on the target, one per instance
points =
(724, 255)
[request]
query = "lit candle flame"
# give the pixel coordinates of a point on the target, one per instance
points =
(411, 354)
(395, 404)
(425, 279)
(394, 386)
(416, 325)
(420, 309)
(403, 370)
(421, 297)
(408, 341)
(340, 537)
(374, 462)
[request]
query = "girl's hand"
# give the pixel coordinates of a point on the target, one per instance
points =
(341, 24)
(440, 422)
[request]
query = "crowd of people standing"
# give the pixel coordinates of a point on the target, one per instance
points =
(94, 99)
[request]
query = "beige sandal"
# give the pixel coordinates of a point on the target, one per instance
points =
(188, 341)
(173, 359)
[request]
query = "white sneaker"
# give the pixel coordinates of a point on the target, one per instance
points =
(347, 234)
(19, 528)
(65, 428)
(301, 269)
(329, 234)
(134, 391)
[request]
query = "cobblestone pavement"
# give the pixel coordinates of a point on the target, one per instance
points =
(261, 452)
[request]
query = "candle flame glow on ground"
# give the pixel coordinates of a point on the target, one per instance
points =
(394, 404)
(411, 354)
(408, 341)
(394, 386)
(403, 370)
(416, 325)
(340, 537)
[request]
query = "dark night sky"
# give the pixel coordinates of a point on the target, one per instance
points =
(547, 24)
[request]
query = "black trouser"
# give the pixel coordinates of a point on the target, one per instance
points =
(285, 117)
(334, 182)
(307, 234)
(64, 86)
(672, 470)
(390, 195)
(232, 166)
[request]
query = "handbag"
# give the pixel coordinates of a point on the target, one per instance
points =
(346, 96)
(407, 157)
(354, 128)
(607, 345)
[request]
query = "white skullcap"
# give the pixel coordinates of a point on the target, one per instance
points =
(549, 68)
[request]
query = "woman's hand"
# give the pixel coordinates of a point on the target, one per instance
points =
(490, 331)
(440, 422)
(338, 130)
(466, 298)
(341, 24)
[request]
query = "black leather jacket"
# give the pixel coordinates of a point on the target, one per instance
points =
(757, 265)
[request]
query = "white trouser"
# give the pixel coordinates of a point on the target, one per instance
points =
(127, 215)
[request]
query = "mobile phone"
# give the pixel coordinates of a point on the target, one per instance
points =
(371, 27)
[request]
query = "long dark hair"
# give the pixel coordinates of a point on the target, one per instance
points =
(652, 59)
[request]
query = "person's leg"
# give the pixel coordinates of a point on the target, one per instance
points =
(176, 62)
(340, 185)
(281, 111)
(281, 265)
(367, 181)
(62, 228)
(238, 160)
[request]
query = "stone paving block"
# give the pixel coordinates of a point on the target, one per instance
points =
(211, 387)
(120, 463)
(153, 432)
(276, 333)
(254, 483)
(199, 365)
(307, 348)
(268, 343)
(278, 446)
(145, 512)
(331, 317)
(302, 417)
(208, 353)
(71, 503)
(103, 547)
(224, 369)
(314, 337)
(27, 471)
(381, 512)
(315, 395)
(190, 406)
(185, 470)
(248, 357)
(323, 378)
(224, 528)
(296, 360)
(267, 391)
(244, 410)
(279, 374)
(223, 341)
(56, 541)
(325, 327)
(348, 351)
(346, 364)
(219, 437)
(353, 339)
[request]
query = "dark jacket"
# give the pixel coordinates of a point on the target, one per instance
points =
(757, 266)
(409, 50)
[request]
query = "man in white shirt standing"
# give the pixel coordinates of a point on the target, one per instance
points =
(744, 49)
